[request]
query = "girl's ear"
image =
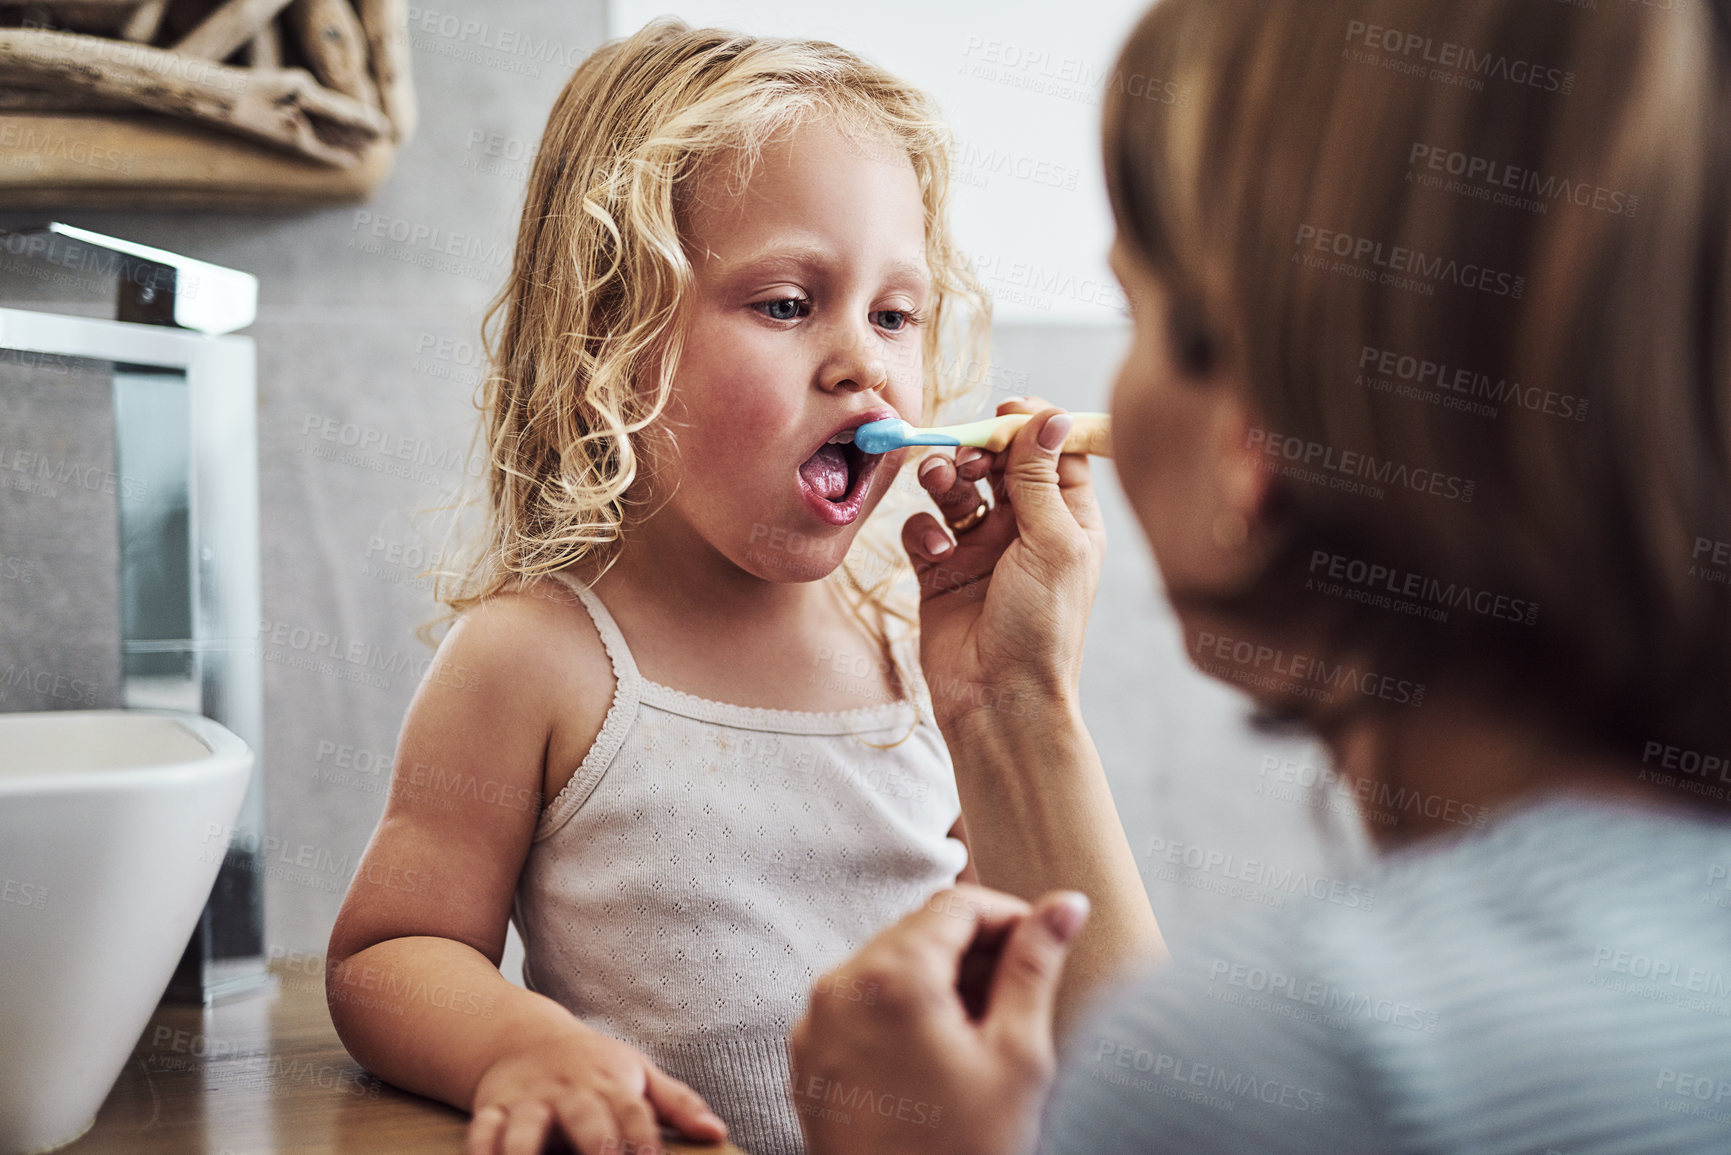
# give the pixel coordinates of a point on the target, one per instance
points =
(1241, 481)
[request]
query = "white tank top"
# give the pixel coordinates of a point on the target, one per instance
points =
(707, 862)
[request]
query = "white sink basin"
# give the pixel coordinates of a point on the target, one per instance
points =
(112, 826)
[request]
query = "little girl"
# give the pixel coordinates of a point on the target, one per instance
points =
(677, 733)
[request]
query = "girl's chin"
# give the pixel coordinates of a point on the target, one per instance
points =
(804, 551)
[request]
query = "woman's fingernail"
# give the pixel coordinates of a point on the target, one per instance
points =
(930, 464)
(1012, 400)
(1053, 433)
(1066, 917)
(936, 542)
(967, 454)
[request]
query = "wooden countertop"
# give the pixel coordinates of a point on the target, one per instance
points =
(267, 1075)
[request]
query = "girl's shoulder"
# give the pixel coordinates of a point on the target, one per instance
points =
(533, 636)
(541, 624)
(537, 634)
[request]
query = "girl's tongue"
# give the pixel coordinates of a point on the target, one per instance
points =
(826, 472)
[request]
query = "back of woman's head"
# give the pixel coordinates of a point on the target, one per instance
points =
(584, 339)
(1473, 262)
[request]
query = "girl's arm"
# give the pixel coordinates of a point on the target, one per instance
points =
(412, 973)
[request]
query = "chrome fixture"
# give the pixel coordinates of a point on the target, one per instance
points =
(186, 445)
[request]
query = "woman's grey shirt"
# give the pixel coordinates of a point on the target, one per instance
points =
(1559, 982)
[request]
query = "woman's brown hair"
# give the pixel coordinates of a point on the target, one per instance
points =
(1473, 261)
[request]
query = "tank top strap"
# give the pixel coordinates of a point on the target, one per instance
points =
(634, 688)
(624, 665)
(907, 648)
(621, 714)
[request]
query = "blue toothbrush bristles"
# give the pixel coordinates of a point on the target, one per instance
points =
(881, 436)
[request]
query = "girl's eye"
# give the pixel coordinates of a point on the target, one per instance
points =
(894, 320)
(784, 308)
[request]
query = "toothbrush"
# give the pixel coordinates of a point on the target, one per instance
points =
(1091, 434)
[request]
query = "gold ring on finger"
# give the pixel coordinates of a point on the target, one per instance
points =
(964, 524)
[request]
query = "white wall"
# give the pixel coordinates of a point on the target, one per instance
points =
(1020, 82)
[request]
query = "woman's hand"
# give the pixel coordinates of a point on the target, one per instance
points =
(1003, 611)
(953, 1054)
(603, 1095)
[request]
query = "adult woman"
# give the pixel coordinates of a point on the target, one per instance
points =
(1435, 293)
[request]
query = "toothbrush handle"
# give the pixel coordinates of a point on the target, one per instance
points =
(1092, 434)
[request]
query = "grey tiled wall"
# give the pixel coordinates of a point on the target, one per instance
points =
(59, 550)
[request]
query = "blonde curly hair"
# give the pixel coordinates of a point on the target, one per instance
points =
(584, 340)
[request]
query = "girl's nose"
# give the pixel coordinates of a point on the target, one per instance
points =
(854, 365)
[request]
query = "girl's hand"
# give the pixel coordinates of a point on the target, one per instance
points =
(954, 1056)
(1003, 611)
(603, 1095)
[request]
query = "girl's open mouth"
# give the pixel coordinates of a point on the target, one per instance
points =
(835, 480)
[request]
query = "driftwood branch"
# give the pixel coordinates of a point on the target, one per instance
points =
(386, 23)
(285, 107)
(103, 16)
(266, 48)
(73, 9)
(14, 98)
(230, 26)
(146, 19)
(330, 37)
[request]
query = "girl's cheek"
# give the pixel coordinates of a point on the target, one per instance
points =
(907, 394)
